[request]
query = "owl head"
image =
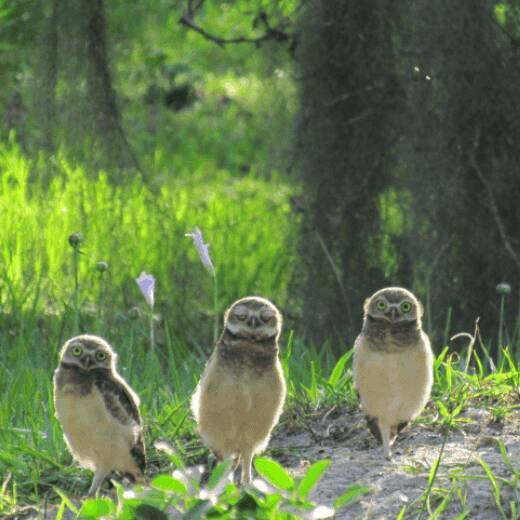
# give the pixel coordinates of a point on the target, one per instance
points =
(88, 352)
(394, 305)
(253, 318)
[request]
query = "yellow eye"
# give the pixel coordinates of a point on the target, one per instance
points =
(381, 305)
(100, 355)
(77, 351)
(406, 307)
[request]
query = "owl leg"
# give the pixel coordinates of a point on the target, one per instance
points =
(386, 438)
(373, 427)
(99, 476)
(247, 459)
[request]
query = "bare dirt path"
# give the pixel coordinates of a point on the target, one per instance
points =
(343, 438)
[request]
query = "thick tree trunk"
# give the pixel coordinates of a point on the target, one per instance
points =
(349, 126)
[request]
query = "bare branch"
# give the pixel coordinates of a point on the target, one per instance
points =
(277, 34)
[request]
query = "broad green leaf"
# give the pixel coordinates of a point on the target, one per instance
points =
(351, 495)
(274, 473)
(96, 508)
(169, 483)
(312, 477)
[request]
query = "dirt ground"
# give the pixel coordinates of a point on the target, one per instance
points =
(342, 437)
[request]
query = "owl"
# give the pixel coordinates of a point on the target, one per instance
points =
(241, 393)
(393, 363)
(98, 411)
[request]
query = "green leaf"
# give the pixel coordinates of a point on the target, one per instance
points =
(96, 508)
(274, 473)
(442, 409)
(221, 472)
(65, 499)
(337, 371)
(501, 13)
(199, 510)
(351, 495)
(169, 483)
(61, 511)
(312, 477)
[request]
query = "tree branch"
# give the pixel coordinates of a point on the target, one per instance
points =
(277, 34)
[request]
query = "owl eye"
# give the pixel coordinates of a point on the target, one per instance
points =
(381, 305)
(241, 316)
(406, 307)
(266, 316)
(100, 355)
(77, 351)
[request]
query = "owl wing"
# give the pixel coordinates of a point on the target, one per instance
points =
(122, 405)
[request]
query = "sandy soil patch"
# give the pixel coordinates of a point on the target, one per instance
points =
(342, 437)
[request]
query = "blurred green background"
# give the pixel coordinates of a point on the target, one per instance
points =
(325, 149)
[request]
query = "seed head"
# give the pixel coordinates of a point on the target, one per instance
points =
(75, 239)
(102, 266)
(133, 313)
(503, 288)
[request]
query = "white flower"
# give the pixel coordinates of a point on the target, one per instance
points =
(202, 249)
(146, 283)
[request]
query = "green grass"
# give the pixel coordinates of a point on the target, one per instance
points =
(252, 235)
(38, 469)
(247, 221)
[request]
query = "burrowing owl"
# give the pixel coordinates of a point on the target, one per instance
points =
(393, 363)
(98, 411)
(242, 390)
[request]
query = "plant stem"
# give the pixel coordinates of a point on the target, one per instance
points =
(215, 308)
(501, 323)
(75, 264)
(152, 332)
(99, 317)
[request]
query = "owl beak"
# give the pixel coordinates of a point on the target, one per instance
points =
(88, 361)
(253, 322)
(393, 313)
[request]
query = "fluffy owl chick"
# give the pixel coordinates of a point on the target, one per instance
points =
(242, 390)
(393, 363)
(98, 411)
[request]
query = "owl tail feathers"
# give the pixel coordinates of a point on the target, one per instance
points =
(138, 454)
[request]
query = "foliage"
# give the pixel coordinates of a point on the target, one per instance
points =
(246, 220)
(408, 131)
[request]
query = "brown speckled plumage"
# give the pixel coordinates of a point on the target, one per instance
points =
(393, 363)
(242, 390)
(98, 411)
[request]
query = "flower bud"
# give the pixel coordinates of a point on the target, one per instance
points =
(503, 288)
(133, 313)
(102, 266)
(75, 239)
